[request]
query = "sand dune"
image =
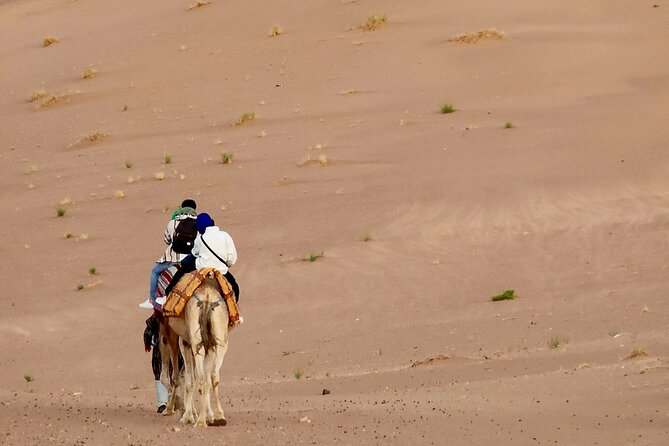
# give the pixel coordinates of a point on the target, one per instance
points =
(549, 178)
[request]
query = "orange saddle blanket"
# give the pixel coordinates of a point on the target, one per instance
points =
(190, 282)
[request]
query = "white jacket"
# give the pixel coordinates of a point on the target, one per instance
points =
(221, 243)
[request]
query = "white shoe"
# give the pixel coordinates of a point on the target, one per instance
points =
(161, 300)
(146, 305)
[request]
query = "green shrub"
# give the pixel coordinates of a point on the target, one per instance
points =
(506, 295)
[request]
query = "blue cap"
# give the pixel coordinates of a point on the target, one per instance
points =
(202, 222)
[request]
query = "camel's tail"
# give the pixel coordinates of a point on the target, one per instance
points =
(210, 302)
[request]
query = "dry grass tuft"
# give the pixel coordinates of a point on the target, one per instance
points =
(322, 160)
(275, 31)
(31, 169)
(53, 99)
(49, 40)
(637, 353)
(478, 36)
(159, 176)
(429, 361)
(198, 4)
(374, 22)
(90, 138)
(96, 136)
(89, 73)
(119, 194)
(244, 118)
(557, 341)
(36, 95)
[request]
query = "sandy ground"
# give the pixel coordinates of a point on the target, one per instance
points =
(421, 217)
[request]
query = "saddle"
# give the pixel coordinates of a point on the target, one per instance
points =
(190, 282)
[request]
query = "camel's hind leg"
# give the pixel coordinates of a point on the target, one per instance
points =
(189, 406)
(219, 415)
(219, 319)
(202, 381)
(208, 367)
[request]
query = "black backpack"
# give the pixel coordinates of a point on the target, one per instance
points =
(184, 236)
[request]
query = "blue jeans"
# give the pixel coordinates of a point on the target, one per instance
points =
(155, 273)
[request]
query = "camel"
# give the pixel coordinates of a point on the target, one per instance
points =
(201, 333)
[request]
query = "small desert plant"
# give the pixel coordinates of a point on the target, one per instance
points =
(167, 158)
(28, 377)
(447, 108)
(124, 108)
(226, 158)
(367, 237)
(69, 235)
(53, 99)
(80, 287)
(60, 211)
(478, 36)
(89, 138)
(128, 164)
(89, 73)
(198, 4)
(298, 374)
(313, 256)
(556, 341)
(508, 125)
(637, 353)
(275, 31)
(36, 95)
(374, 22)
(92, 271)
(95, 136)
(244, 118)
(159, 176)
(50, 40)
(506, 295)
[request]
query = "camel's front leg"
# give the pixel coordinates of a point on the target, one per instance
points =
(171, 341)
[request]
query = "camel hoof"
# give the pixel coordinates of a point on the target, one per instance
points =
(187, 419)
(201, 423)
(219, 422)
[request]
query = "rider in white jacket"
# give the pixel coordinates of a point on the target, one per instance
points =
(212, 248)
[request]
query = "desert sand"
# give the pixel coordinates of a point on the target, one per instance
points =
(549, 178)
